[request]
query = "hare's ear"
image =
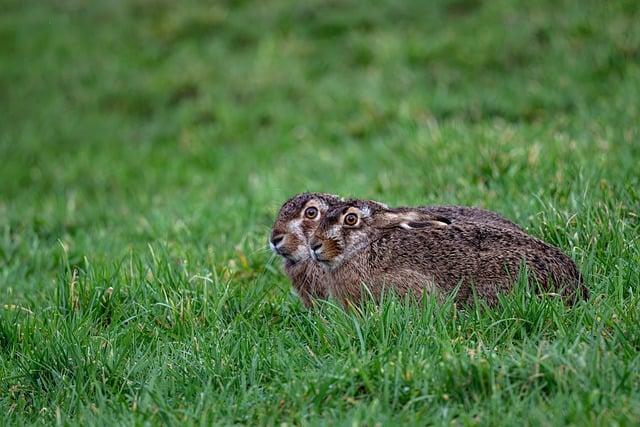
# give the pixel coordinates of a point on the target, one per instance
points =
(436, 221)
(411, 220)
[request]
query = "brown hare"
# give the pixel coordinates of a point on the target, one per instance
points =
(362, 243)
(299, 217)
(297, 220)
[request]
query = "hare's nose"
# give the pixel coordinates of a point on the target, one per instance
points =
(275, 240)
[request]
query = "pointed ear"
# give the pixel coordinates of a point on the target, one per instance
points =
(410, 220)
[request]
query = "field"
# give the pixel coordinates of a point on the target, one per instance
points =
(146, 146)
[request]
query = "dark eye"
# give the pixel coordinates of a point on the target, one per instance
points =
(351, 219)
(311, 212)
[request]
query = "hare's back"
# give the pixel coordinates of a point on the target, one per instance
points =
(487, 258)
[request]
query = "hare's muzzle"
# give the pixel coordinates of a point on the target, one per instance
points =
(316, 245)
(276, 240)
(276, 243)
(317, 250)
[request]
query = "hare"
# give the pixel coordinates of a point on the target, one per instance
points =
(299, 217)
(414, 251)
(297, 220)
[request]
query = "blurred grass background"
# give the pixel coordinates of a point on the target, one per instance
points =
(139, 127)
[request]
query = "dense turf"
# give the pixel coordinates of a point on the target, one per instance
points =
(146, 146)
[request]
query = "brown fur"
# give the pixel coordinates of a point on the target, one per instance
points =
(423, 250)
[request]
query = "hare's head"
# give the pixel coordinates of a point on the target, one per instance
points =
(350, 226)
(296, 222)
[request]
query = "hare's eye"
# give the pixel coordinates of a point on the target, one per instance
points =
(311, 212)
(351, 219)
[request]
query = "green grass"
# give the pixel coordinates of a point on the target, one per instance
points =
(146, 145)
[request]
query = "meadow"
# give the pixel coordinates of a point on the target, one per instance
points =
(146, 146)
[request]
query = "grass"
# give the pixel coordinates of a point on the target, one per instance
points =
(146, 147)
